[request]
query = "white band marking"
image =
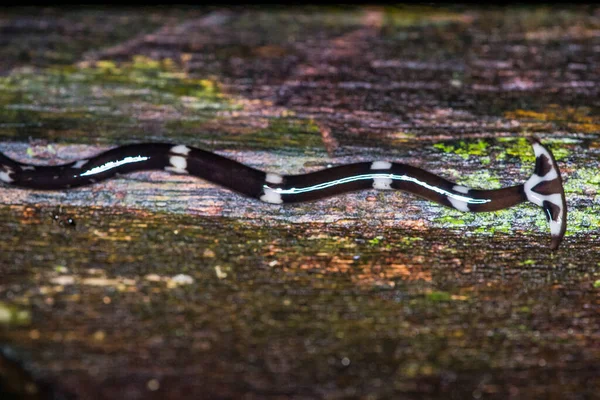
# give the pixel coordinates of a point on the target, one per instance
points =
(382, 183)
(181, 149)
(179, 165)
(459, 204)
(271, 196)
(461, 189)
(79, 164)
(381, 165)
(275, 179)
(5, 177)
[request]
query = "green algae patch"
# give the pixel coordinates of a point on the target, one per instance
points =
(579, 220)
(486, 224)
(401, 17)
(14, 315)
(584, 220)
(163, 76)
(505, 149)
(521, 148)
(375, 241)
(103, 101)
(283, 132)
(481, 179)
(516, 147)
(280, 133)
(582, 181)
(490, 223)
(438, 296)
(527, 262)
(464, 149)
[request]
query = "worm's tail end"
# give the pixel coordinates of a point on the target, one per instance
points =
(545, 189)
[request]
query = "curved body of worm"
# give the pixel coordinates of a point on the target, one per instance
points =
(544, 188)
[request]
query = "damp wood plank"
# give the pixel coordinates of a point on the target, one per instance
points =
(165, 286)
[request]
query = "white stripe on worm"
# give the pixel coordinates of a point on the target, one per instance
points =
(181, 149)
(179, 165)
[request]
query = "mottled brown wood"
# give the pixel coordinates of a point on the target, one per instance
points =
(155, 285)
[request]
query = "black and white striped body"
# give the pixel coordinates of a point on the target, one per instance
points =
(544, 188)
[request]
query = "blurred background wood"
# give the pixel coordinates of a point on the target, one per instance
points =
(170, 287)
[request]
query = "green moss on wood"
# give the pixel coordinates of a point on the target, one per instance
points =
(402, 17)
(583, 181)
(583, 220)
(464, 149)
(438, 296)
(14, 315)
(103, 100)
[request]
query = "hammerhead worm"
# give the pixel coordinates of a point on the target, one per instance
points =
(543, 188)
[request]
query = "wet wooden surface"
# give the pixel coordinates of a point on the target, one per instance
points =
(169, 287)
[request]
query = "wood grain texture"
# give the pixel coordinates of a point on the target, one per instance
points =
(170, 287)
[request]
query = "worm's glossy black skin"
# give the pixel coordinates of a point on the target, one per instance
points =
(543, 188)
